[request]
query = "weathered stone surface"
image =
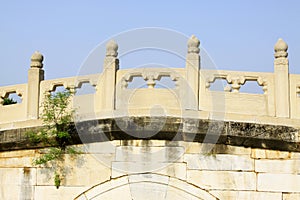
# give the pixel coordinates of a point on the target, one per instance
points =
(269, 154)
(85, 170)
(17, 183)
(224, 175)
(50, 192)
(223, 180)
(16, 162)
(14, 176)
(149, 154)
(278, 166)
(155, 187)
(11, 192)
(278, 182)
(219, 162)
(205, 148)
(110, 186)
(263, 131)
(15, 154)
(295, 155)
(108, 147)
(188, 191)
(173, 129)
(291, 196)
(246, 195)
(171, 169)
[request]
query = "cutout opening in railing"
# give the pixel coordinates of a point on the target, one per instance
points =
(137, 82)
(165, 82)
(251, 87)
(85, 88)
(219, 84)
(58, 88)
(11, 98)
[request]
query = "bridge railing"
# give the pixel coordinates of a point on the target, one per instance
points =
(231, 99)
(190, 88)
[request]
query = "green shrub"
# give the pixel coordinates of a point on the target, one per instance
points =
(57, 118)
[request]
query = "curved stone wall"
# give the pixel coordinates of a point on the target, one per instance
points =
(155, 169)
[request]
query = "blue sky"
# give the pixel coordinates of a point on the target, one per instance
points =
(238, 35)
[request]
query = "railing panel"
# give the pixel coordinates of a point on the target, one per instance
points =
(14, 112)
(295, 95)
(230, 100)
(150, 96)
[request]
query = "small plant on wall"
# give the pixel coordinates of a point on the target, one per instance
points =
(57, 125)
(8, 101)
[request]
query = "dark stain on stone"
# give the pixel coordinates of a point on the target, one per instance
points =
(170, 129)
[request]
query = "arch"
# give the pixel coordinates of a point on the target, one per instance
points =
(145, 186)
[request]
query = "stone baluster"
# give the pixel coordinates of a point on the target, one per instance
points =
(150, 81)
(281, 70)
(35, 76)
(235, 85)
(106, 89)
(192, 73)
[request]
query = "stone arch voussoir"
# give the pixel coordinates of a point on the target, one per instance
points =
(145, 186)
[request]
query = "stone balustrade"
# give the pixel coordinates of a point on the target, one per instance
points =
(191, 91)
(191, 138)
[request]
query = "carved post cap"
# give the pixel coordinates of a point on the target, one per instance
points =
(280, 49)
(37, 60)
(111, 49)
(193, 45)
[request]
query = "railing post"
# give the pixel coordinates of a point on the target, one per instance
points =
(192, 73)
(35, 76)
(108, 80)
(281, 70)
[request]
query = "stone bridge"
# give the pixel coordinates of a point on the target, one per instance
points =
(185, 140)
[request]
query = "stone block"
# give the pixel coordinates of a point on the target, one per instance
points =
(82, 197)
(10, 192)
(185, 190)
(84, 170)
(295, 155)
(14, 154)
(223, 180)
(153, 190)
(122, 192)
(148, 177)
(107, 187)
(18, 176)
(17, 183)
(278, 182)
(149, 154)
(100, 147)
(150, 143)
(17, 162)
(291, 196)
(220, 162)
(50, 192)
(245, 195)
(170, 169)
(269, 154)
(278, 166)
(196, 148)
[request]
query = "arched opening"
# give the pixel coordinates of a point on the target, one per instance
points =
(145, 186)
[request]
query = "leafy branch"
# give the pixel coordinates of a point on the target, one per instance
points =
(57, 117)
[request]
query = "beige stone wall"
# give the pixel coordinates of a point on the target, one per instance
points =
(167, 170)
